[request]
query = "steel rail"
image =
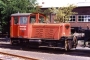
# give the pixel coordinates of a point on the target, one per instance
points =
(23, 57)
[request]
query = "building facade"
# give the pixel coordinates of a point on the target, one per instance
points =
(81, 19)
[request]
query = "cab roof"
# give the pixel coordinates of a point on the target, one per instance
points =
(21, 14)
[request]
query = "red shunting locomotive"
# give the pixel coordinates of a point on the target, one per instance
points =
(32, 29)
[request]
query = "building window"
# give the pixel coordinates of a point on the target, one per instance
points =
(72, 18)
(83, 18)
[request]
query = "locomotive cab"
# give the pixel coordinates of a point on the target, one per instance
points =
(21, 21)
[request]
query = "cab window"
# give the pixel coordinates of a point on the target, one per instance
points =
(15, 20)
(33, 19)
(41, 19)
(23, 20)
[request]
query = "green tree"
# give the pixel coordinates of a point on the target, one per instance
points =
(8, 7)
(63, 13)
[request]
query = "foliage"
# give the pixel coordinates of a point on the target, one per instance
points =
(14, 6)
(63, 13)
(8, 7)
(46, 12)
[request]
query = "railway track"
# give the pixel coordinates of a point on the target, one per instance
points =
(8, 56)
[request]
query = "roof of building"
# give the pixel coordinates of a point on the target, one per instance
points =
(79, 4)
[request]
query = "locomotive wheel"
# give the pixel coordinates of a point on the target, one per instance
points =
(75, 42)
(68, 45)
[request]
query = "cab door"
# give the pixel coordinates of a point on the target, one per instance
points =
(15, 26)
(23, 24)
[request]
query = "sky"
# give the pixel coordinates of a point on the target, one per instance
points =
(61, 3)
